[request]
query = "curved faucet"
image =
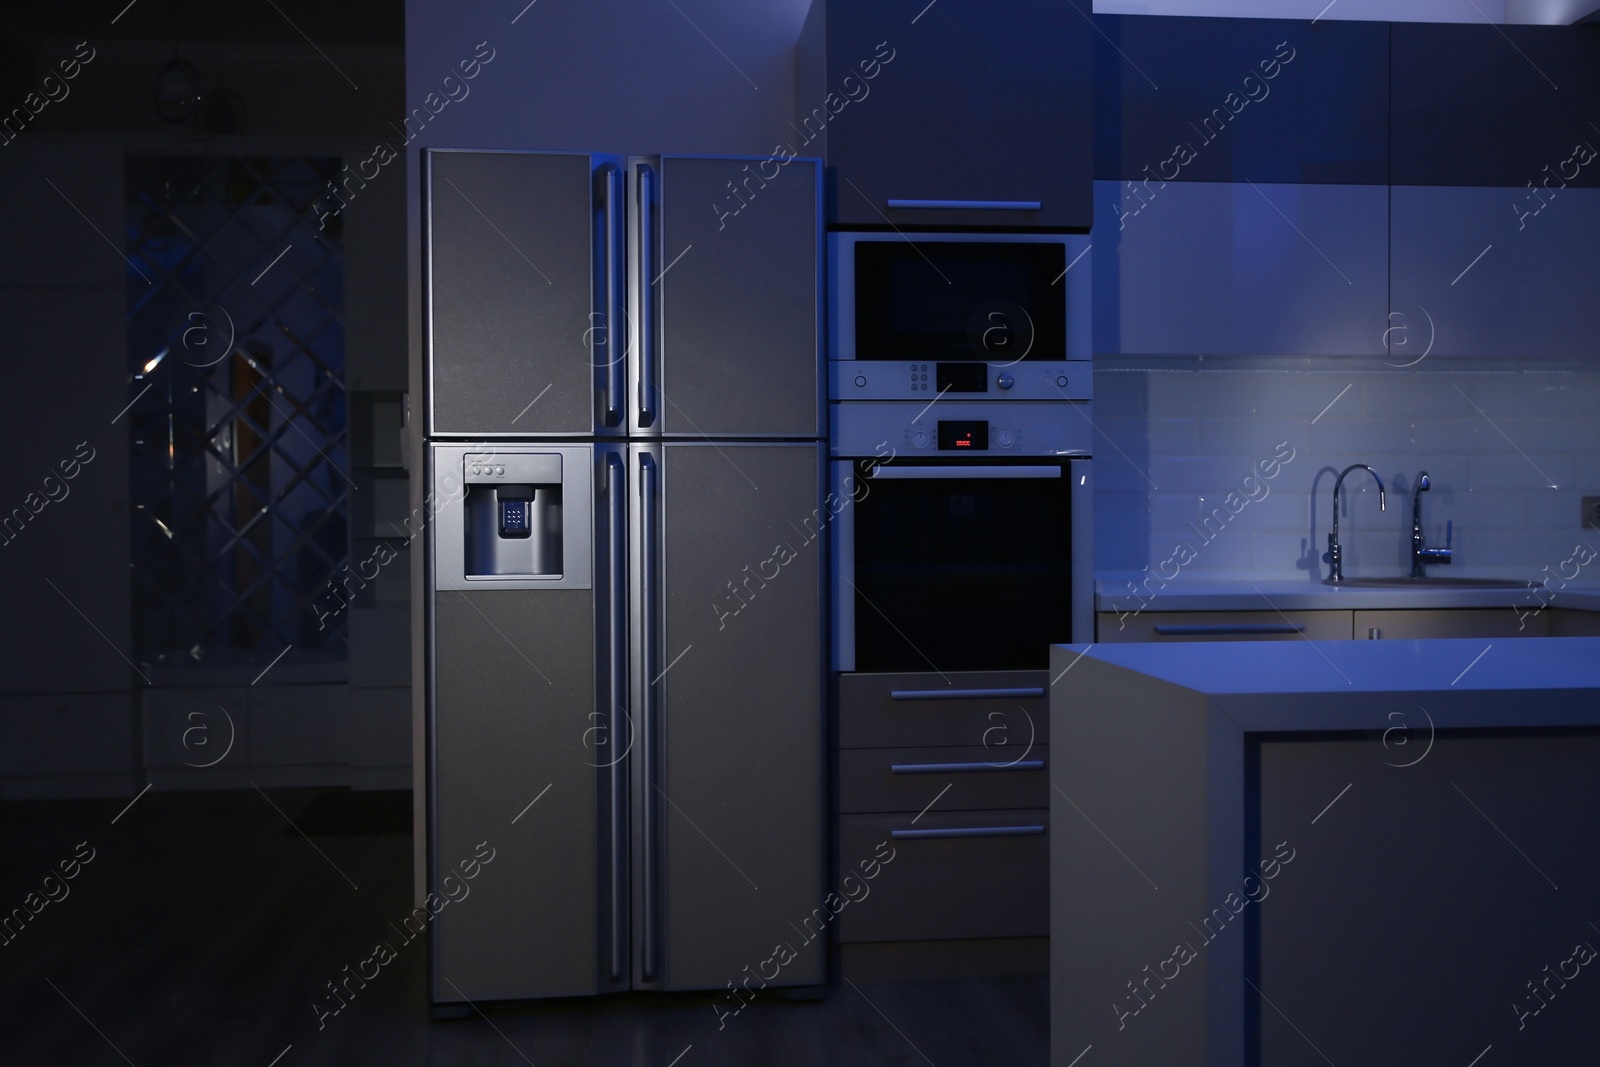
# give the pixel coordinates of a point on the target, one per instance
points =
(1421, 554)
(1333, 558)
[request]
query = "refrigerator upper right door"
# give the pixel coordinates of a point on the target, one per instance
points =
(727, 294)
(522, 271)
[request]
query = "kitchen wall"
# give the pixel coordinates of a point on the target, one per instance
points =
(75, 720)
(1177, 434)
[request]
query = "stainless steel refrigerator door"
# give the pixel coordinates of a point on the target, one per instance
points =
(520, 764)
(522, 278)
(728, 676)
(726, 297)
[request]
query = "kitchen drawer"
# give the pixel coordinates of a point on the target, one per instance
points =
(1404, 625)
(955, 708)
(940, 888)
(1566, 622)
(1111, 629)
(1013, 775)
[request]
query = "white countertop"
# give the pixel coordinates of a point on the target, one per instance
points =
(1450, 665)
(1257, 592)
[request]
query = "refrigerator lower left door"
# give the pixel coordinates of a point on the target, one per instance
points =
(519, 850)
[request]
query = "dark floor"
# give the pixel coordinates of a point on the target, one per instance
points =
(204, 928)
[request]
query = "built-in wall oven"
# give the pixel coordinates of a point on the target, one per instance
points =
(1001, 316)
(962, 539)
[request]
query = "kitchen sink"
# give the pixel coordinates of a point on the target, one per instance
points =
(1399, 582)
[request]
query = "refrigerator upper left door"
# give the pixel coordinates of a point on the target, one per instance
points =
(523, 261)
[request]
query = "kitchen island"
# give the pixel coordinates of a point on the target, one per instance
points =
(1374, 852)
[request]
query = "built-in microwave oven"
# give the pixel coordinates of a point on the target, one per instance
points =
(1000, 316)
(962, 535)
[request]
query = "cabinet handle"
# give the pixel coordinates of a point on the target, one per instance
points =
(964, 694)
(967, 205)
(1232, 628)
(971, 831)
(961, 768)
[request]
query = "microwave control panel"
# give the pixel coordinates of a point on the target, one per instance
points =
(926, 379)
(961, 428)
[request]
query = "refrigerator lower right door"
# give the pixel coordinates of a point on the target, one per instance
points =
(728, 787)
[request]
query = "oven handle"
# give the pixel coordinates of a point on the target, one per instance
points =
(985, 472)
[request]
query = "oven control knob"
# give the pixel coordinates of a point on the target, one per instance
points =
(1061, 380)
(1005, 381)
(1006, 439)
(920, 439)
(861, 380)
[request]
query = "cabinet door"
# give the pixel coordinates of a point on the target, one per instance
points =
(967, 104)
(508, 294)
(739, 291)
(1480, 104)
(1223, 626)
(1498, 271)
(1263, 100)
(1404, 625)
(741, 805)
(1240, 269)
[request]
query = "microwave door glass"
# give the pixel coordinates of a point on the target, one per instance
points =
(996, 302)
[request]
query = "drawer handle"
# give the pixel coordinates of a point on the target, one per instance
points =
(967, 205)
(971, 831)
(1233, 628)
(959, 768)
(964, 694)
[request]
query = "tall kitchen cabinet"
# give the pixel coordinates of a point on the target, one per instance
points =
(951, 113)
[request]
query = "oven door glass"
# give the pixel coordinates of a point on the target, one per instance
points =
(991, 301)
(957, 573)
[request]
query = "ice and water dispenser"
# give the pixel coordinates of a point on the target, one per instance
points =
(513, 516)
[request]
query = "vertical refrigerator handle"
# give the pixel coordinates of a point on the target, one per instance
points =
(649, 579)
(647, 296)
(617, 531)
(611, 351)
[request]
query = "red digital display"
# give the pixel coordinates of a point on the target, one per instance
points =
(964, 433)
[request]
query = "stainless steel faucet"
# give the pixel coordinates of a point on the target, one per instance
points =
(1421, 554)
(1333, 558)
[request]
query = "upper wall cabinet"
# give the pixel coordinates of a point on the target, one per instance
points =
(1233, 100)
(956, 113)
(1502, 271)
(1240, 269)
(1492, 105)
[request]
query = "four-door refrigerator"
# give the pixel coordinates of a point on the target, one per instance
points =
(623, 628)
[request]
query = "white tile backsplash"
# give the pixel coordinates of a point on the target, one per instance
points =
(1179, 435)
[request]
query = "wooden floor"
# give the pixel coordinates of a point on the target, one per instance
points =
(205, 927)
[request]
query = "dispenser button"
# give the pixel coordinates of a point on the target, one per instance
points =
(1005, 381)
(499, 470)
(1061, 380)
(861, 380)
(473, 469)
